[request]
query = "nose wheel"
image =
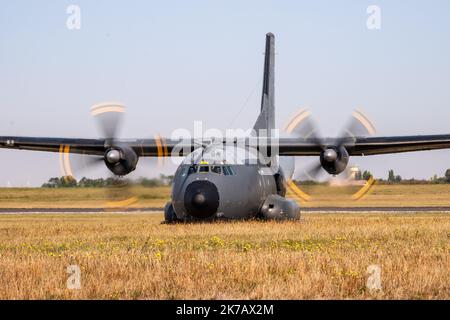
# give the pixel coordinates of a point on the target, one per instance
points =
(169, 213)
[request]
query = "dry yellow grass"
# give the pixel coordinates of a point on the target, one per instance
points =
(133, 256)
(380, 196)
(77, 197)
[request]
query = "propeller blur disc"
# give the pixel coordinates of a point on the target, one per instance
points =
(109, 116)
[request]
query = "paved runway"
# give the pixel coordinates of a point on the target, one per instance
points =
(77, 210)
(377, 209)
(153, 210)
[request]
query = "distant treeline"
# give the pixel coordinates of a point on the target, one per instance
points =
(396, 179)
(391, 179)
(70, 182)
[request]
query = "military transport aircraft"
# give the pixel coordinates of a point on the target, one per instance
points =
(208, 185)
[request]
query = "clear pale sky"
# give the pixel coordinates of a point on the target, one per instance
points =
(174, 62)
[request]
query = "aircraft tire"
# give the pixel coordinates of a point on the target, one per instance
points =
(169, 213)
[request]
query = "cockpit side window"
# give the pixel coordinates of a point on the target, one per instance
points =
(228, 171)
(216, 169)
(183, 171)
(192, 169)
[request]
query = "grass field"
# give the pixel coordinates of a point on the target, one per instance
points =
(133, 256)
(380, 195)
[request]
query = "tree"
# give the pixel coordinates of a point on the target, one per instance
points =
(51, 183)
(366, 175)
(68, 182)
(62, 182)
(447, 175)
(391, 176)
(91, 183)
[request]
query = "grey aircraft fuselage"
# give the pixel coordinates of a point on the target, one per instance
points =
(211, 189)
(199, 193)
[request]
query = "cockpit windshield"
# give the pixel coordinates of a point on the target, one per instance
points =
(225, 170)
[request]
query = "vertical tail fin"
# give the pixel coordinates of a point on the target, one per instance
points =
(266, 119)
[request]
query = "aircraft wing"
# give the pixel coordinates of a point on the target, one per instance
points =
(360, 146)
(81, 146)
(363, 146)
(384, 145)
(143, 147)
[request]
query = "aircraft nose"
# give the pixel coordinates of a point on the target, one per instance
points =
(201, 199)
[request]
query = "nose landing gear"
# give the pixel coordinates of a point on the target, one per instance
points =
(169, 213)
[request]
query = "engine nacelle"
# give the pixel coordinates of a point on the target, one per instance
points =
(121, 160)
(334, 159)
